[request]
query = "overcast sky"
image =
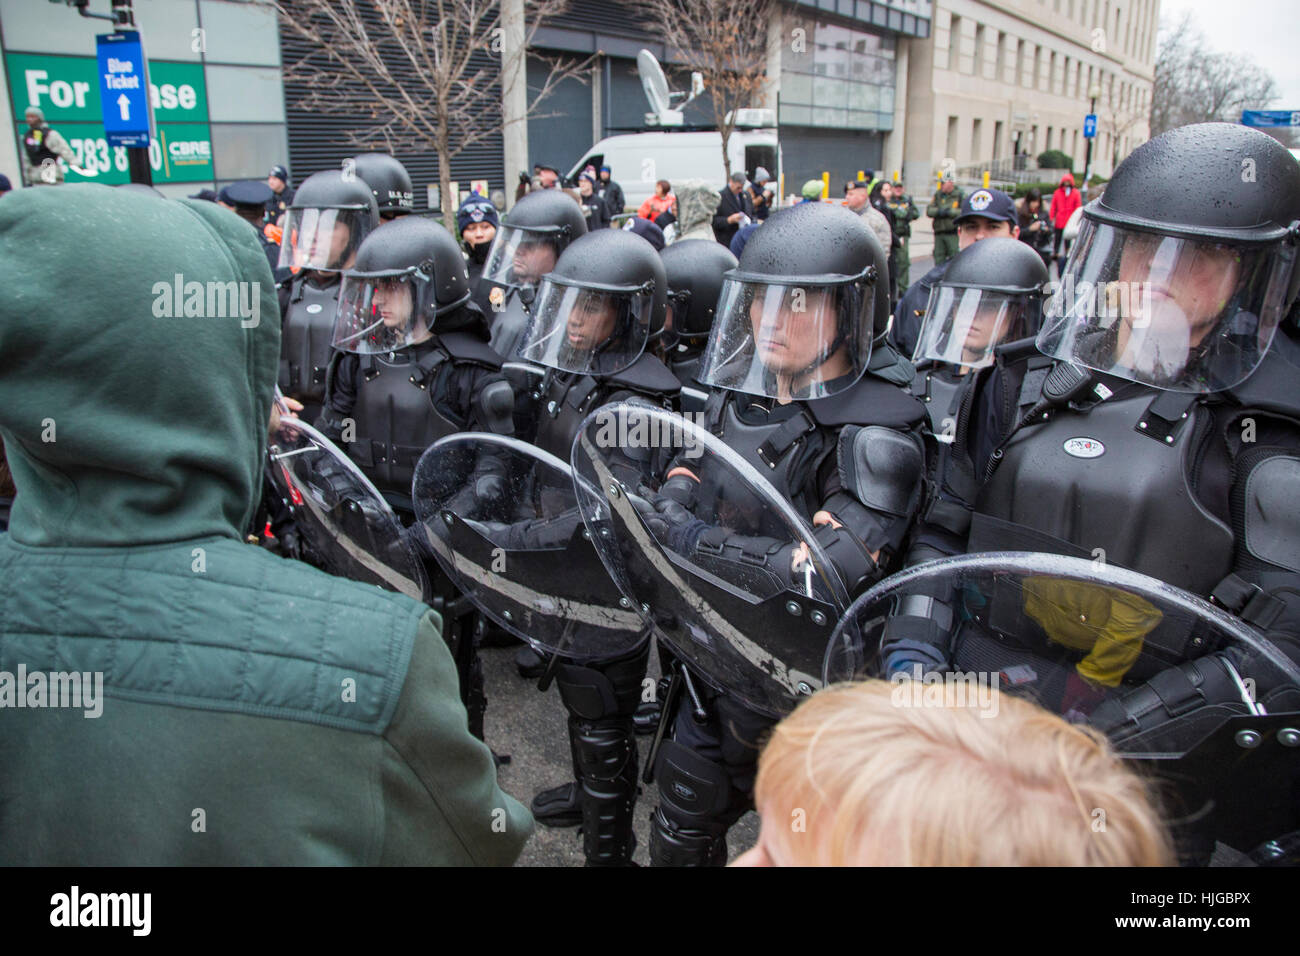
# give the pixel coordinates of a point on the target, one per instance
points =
(1268, 31)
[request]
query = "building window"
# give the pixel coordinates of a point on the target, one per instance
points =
(997, 139)
(975, 131)
(844, 80)
(950, 146)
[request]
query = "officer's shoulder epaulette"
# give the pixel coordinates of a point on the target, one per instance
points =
(871, 401)
(467, 347)
(647, 374)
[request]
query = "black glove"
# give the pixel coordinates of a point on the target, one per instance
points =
(535, 534)
(669, 521)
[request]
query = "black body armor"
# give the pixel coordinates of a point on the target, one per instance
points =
(308, 330)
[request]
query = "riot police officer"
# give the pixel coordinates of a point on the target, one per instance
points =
(991, 292)
(694, 268)
(592, 319)
(532, 236)
(1156, 424)
(806, 389)
(414, 366)
(329, 218)
(388, 181)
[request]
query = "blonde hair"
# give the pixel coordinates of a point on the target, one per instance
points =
(876, 779)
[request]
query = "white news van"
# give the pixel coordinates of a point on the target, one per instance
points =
(668, 150)
(638, 160)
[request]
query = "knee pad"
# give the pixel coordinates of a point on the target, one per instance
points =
(694, 790)
(586, 692)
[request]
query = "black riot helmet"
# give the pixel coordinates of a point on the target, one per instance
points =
(532, 236)
(991, 292)
(694, 268)
(327, 220)
(1186, 266)
(388, 181)
(597, 309)
(797, 317)
(408, 272)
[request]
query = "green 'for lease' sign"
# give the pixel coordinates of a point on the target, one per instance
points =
(67, 90)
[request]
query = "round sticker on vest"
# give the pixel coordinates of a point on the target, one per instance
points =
(314, 308)
(1084, 448)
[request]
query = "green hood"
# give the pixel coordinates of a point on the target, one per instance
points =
(124, 423)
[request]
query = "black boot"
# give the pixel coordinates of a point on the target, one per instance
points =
(558, 806)
(530, 664)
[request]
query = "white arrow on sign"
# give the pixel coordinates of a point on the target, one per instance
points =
(124, 104)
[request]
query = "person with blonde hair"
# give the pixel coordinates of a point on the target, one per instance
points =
(872, 774)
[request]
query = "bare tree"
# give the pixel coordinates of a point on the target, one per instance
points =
(726, 42)
(1194, 84)
(420, 72)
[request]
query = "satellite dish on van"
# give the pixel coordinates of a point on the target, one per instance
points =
(658, 95)
(653, 81)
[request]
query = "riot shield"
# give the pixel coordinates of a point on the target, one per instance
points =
(735, 583)
(346, 523)
(1196, 695)
(502, 519)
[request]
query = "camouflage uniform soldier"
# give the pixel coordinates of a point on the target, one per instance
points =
(944, 209)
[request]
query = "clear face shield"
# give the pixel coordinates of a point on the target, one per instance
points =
(520, 257)
(596, 329)
(963, 326)
(383, 312)
(790, 339)
(1181, 314)
(322, 239)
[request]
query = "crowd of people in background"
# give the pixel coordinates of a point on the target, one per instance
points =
(883, 783)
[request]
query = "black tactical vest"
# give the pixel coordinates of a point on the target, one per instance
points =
(305, 342)
(1111, 483)
(395, 416)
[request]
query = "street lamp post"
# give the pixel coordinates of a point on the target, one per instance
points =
(1094, 91)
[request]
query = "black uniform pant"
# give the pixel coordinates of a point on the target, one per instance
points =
(706, 780)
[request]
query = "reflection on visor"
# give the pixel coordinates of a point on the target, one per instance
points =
(521, 256)
(587, 330)
(322, 238)
(964, 326)
(788, 341)
(1174, 313)
(381, 314)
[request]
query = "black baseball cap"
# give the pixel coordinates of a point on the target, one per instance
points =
(988, 204)
(279, 172)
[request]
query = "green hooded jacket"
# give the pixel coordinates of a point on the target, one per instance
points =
(253, 709)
